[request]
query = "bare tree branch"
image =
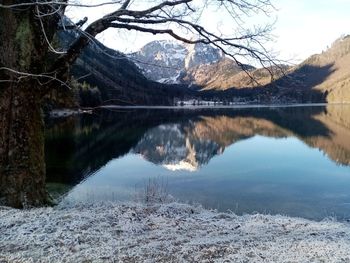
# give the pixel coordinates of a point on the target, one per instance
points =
(162, 18)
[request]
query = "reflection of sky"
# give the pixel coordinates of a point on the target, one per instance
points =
(258, 174)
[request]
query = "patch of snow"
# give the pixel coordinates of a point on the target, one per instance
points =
(181, 166)
(62, 113)
(171, 80)
(134, 232)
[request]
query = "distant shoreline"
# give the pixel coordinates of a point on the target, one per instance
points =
(237, 106)
(65, 112)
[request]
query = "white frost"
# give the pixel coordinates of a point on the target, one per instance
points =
(172, 232)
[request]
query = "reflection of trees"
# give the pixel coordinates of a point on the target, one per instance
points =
(327, 129)
(337, 145)
(79, 146)
(227, 130)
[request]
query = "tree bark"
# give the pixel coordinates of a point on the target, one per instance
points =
(22, 164)
(23, 51)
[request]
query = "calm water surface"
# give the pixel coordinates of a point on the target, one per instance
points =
(293, 161)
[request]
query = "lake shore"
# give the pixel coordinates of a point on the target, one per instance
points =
(134, 232)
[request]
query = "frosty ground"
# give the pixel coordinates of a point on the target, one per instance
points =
(173, 232)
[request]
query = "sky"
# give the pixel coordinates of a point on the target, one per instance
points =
(306, 27)
(301, 27)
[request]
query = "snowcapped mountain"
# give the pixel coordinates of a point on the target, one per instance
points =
(165, 61)
(200, 54)
(161, 61)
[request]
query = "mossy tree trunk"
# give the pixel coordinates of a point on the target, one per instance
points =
(27, 73)
(23, 50)
(22, 174)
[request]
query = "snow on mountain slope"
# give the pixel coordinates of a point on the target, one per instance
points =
(200, 54)
(165, 61)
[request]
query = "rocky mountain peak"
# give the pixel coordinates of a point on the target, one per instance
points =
(199, 54)
(166, 60)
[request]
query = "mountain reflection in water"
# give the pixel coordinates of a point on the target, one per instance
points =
(185, 141)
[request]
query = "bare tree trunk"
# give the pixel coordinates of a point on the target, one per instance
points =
(22, 164)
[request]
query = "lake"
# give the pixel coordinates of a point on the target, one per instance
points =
(277, 160)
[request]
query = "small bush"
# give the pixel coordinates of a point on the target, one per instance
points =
(154, 191)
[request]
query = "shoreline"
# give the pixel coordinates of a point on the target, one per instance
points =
(172, 232)
(220, 106)
(67, 112)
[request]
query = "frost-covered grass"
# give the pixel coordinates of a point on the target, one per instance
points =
(133, 232)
